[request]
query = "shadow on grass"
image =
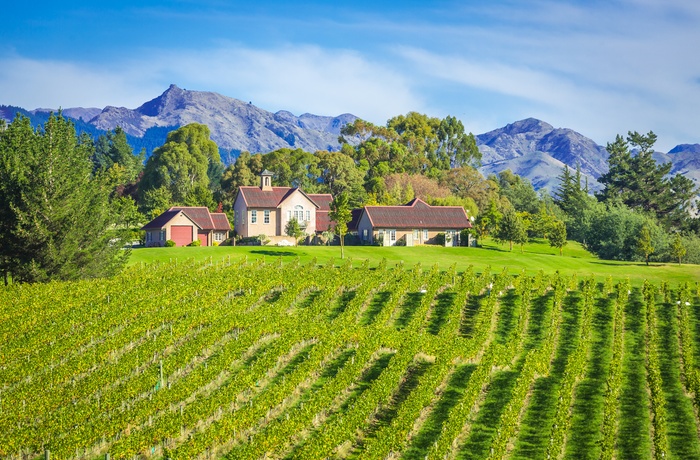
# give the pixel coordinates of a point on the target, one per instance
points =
(273, 253)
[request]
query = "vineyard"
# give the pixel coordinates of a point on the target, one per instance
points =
(251, 360)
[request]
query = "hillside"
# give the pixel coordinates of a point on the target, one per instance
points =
(234, 124)
(530, 148)
(251, 359)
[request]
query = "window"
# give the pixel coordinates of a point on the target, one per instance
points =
(308, 216)
(299, 213)
(266, 218)
(416, 235)
(425, 235)
(149, 237)
(364, 234)
(392, 235)
(162, 235)
(253, 216)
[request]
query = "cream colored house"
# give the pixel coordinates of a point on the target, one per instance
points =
(412, 224)
(183, 225)
(266, 210)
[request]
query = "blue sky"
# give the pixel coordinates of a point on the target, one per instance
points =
(598, 67)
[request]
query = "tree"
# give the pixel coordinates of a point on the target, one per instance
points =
(57, 222)
(182, 166)
(641, 183)
(645, 244)
(293, 229)
(512, 229)
(557, 235)
(341, 214)
(678, 249)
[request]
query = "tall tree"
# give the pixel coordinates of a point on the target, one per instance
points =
(61, 224)
(641, 183)
(341, 214)
(182, 166)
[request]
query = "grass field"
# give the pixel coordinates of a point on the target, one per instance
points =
(537, 255)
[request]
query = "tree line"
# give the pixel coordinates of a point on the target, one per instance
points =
(70, 201)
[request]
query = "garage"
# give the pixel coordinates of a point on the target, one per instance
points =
(181, 234)
(203, 238)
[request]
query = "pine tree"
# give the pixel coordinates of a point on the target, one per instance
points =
(60, 219)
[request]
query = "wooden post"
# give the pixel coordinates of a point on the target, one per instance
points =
(161, 373)
(47, 454)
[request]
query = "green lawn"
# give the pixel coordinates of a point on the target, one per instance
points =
(537, 255)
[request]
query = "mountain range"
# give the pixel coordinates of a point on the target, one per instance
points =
(530, 148)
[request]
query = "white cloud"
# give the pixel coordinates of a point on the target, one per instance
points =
(295, 78)
(30, 84)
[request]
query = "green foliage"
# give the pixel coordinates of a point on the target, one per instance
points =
(678, 249)
(56, 218)
(293, 229)
(645, 244)
(195, 243)
(170, 244)
(640, 183)
(557, 235)
(512, 229)
(341, 214)
(182, 167)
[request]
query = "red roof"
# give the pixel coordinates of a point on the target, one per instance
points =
(418, 214)
(255, 197)
(220, 221)
(199, 215)
(160, 221)
(323, 200)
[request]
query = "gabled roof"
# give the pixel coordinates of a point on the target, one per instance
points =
(161, 221)
(418, 214)
(220, 221)
(323, 200)
(255, 197)
(200, 217)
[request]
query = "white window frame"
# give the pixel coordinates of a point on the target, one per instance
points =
(392, 236)
(254, 216)
(308, 216)
(426, 236)
(266, 216)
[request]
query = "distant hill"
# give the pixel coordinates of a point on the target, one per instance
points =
(530, 148)
(234, 124)
(535, 149)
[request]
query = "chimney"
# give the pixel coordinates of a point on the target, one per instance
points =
(266, 181)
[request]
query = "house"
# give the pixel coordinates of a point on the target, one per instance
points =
(266, 210)
(412, 224)
(184, 224)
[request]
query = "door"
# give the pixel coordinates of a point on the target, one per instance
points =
(203, 238)
(181, 234)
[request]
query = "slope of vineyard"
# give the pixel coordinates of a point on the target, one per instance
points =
(263, 360)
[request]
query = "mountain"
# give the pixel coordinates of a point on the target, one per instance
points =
(536, 150)
(234, 124)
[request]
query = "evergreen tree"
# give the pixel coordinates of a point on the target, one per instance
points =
(56, 214)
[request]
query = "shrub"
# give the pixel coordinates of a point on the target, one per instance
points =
(170, 244)
(195, 243)
(215, 243)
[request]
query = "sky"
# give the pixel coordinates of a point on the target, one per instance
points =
(601, 68)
